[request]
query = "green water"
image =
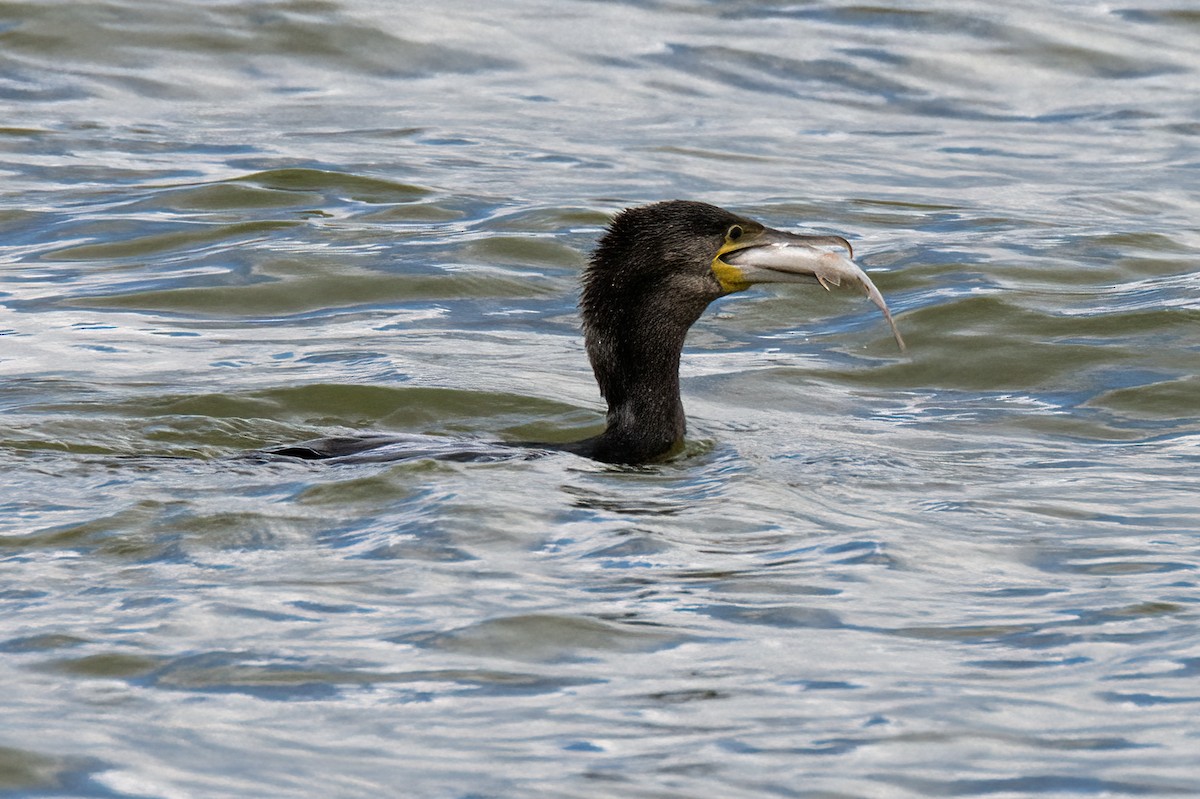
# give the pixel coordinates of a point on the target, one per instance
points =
(969, 570)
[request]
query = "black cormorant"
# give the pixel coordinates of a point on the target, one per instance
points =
(653, 273)
(655, 270)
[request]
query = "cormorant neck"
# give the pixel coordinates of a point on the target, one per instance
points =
(635, 356)
(645, 413)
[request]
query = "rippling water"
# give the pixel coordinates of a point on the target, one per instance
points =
(967, 571)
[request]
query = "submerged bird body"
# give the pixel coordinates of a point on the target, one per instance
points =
(654, 271)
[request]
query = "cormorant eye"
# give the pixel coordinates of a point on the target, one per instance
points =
(734, 233)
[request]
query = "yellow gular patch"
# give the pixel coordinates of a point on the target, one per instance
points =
(729, 276)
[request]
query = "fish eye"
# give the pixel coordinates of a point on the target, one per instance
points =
(734, 233)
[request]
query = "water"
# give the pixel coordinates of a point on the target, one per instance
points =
(967, 571)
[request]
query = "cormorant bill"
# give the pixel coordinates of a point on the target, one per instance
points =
(655, 270)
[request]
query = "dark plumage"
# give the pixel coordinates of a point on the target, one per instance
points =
(647, 282)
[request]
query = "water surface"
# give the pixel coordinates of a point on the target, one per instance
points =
(966, 571)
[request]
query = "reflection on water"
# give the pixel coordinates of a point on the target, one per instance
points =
(970, 570)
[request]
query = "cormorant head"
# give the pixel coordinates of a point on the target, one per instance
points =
(658, 266)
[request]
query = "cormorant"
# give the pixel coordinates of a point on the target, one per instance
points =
(654, 271)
